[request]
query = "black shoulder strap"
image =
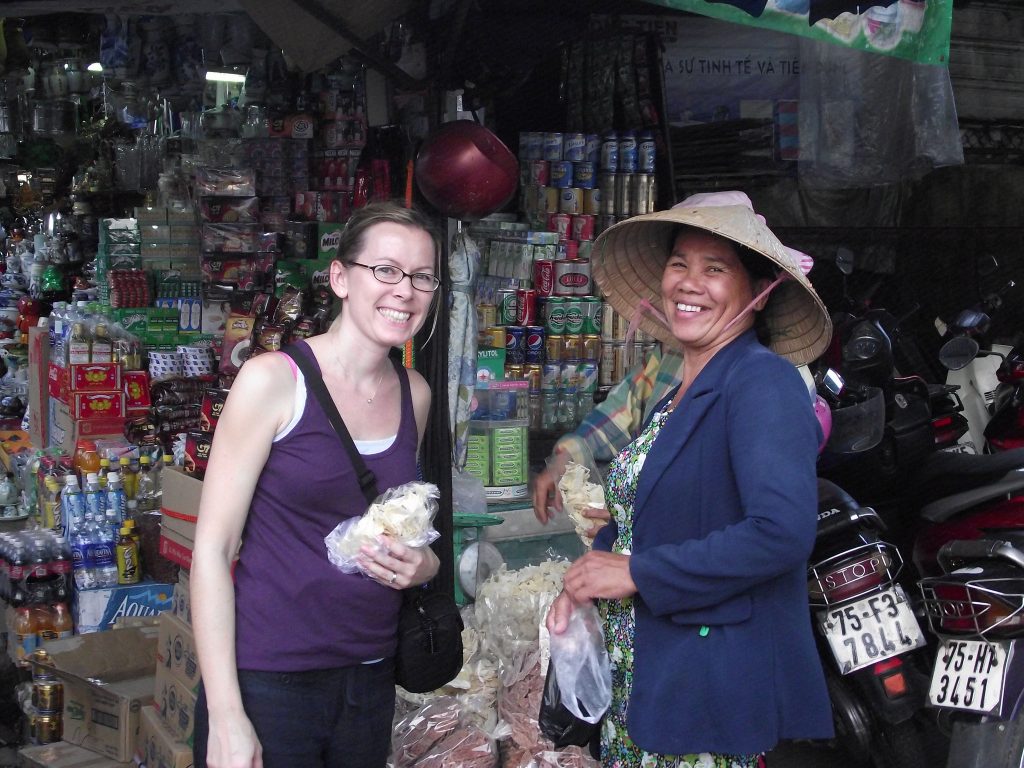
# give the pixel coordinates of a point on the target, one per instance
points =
(315, 384)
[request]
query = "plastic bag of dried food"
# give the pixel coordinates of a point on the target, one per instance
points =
(580, 490)
(465, 747)
(404, 513)
(415, 734)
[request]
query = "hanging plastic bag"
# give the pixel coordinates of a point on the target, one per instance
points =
(578, 688)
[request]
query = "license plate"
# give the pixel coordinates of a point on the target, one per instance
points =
(871, 629)
(964, 447)
(968, 675)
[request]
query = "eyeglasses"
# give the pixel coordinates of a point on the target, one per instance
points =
(386, 273)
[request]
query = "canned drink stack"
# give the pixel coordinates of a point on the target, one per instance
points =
(645, 152)
(610, 152)
(627, 152)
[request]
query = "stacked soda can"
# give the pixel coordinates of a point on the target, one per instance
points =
(610, 176)
(558, 174)
(46, 713)
(626, 180)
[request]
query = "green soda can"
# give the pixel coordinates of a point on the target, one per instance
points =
(591, 309)
(505, 298)
(573, 316)
(554, 320)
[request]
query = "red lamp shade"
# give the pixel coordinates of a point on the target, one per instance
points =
(465, 171)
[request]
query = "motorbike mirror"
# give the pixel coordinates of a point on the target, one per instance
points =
(833, 382)
(844, 260)
(958, 352)
(972, 320)
(987, 265)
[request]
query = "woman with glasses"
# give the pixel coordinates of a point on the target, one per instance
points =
(296, 655)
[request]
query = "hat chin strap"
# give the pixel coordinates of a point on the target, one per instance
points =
(783, 276)
(643, 307)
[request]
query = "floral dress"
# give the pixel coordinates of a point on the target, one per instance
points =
(617, 749)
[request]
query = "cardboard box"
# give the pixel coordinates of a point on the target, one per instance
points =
(107, 678)
(136, 389)
(176, 651)
(63, 754)
(95, 610)
(82, 377)
(182, 600)
(38, 385)
(175, 549)
(184, 527)
(96, 405)
(157, 746)
(65, 430)
(176, 705)
(328, 239)
(181, 493)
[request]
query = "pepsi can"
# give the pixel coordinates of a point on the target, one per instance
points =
(515, 344)
(535, 344)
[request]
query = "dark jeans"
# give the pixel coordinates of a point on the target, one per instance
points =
(325, 718)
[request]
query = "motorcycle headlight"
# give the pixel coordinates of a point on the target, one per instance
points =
(865, 342)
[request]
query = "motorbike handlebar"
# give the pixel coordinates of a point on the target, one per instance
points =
(978, 549)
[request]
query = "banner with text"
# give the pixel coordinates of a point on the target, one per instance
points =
(917, 30)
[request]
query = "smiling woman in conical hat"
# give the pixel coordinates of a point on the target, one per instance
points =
(701, 573)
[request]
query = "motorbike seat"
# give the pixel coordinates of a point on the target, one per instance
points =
(943, 509)
(945, 474)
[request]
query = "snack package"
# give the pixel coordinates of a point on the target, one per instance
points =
(404, 513)
(578, 491)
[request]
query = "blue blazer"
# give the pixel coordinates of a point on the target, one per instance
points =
(724, 521)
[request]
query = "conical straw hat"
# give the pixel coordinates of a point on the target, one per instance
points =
(628, 260)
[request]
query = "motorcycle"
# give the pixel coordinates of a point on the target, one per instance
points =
(975, 372)
(976, 608)
(1005, 430)
(866, 625)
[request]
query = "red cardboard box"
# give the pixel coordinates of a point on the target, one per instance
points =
(82, 377)
(94, 377)
(97, 405)
(136, 390)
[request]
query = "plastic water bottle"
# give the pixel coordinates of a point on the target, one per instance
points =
(146, 492)
(81, 559)
(116, 498)
(73, 502)
(95, 503)
(104, 562)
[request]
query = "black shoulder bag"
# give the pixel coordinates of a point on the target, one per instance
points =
(429, 652)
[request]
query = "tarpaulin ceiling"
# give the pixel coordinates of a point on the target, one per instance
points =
(917, 30)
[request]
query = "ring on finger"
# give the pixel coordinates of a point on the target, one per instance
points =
(394, 577)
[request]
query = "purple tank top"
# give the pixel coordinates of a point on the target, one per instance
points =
(294, 611)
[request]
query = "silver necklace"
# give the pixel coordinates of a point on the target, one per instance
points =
(369, 400)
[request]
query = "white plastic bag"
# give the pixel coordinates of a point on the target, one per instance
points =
(581, 665)
(579, 485)
(404, 513)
